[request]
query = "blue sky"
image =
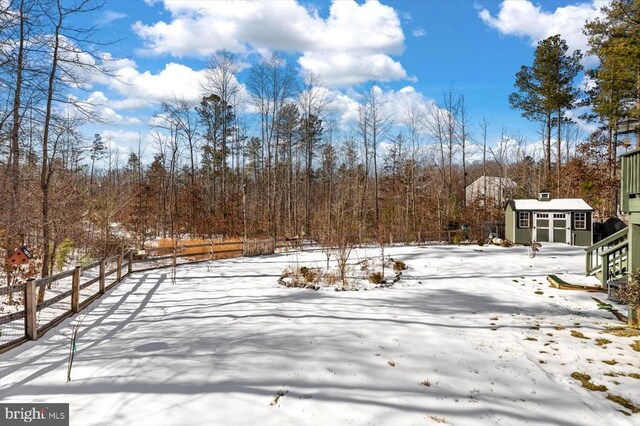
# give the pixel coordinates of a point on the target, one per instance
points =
(413, 50)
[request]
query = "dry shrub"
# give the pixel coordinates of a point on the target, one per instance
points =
(331, 278)
(309, 274)
(399, 265)
(376, 278)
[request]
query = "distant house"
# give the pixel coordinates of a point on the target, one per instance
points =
(498, 190)
(561, 220)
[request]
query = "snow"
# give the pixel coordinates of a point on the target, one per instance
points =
(221, 342)
(559, 204)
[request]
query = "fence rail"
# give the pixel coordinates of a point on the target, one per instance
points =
(67, 293)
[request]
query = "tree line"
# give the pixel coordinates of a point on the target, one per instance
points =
(279, 162)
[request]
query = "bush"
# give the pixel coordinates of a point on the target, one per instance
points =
(376, 278)
(399, 265)
(456, 239)
(63, 252)
(630, 292)
(310, 275)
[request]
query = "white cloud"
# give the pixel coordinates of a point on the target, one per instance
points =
(525, 19)
(396, 104)
(97, 103)
(351, 33)
(109, 16)
(345, 69)
(142, 89)
(419, 32)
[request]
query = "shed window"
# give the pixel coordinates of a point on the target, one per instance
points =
(580, 221)
(543, 215)
(523, 219)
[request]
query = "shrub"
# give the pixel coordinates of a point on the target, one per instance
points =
(456, 239)
(376, 277)
(63, 252)
(399, 265)
(630, 292)
(309, 274)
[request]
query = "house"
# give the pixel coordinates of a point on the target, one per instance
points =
(561, 220)
(498, 189)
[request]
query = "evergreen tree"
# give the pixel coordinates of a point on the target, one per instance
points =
(546, 88)
(615, 39)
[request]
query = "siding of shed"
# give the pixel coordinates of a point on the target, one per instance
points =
(509, 223)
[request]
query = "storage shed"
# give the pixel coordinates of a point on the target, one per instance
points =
(561, 220)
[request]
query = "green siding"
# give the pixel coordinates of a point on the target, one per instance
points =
(630, 182)
(508, 224)
(581, 238)
(523, 236)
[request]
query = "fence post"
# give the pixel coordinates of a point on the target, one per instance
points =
(75, 290)
(101, 279)
(130, 264)
(119, 277)
(212, 248)
(31, 308)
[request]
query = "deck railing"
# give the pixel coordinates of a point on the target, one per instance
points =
(614, 263)
(594, 252)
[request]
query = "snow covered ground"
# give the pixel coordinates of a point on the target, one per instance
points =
(469, 336)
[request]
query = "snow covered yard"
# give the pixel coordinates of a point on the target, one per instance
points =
(470, 335)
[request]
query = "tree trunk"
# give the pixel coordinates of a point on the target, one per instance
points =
(47, 167)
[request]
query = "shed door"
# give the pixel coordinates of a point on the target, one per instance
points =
(541, 227)
(561, 227)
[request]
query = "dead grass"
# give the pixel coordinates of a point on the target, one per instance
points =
(624, 402)
(559, 327)
(634, 376)
(425, 383)
(391, 363)
(585, 381)
(635, 346)
(579, 335)
(623, 331)
(438, 419)
(601, 341)
(610, 361)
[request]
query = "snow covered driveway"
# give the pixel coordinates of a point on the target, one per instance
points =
(469, 335)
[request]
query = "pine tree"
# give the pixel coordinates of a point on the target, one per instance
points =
(546, 88)
(615, 39)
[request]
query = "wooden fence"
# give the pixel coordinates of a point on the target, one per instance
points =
(259, 247)
(71, 291)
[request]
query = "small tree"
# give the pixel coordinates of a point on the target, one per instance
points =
(630, 294)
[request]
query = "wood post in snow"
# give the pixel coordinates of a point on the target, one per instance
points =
(119, 277)
(101, 276)
(31, 308)
(75, 290)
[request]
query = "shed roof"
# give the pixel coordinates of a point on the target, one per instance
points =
(556, 204)
(494, 180)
